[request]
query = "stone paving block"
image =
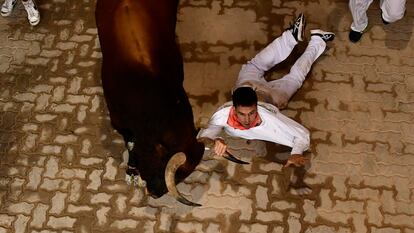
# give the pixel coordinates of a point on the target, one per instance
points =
(403, 188)
(213, 228)
(253, 228)
(67, 173)
(378, 181)
(102, 215)
(261, 197)
(72, 209)
(100, 198)
(269, 216)
(326, 201)
(310, 211)
(143, 212)
(125, 224)
(283, 205)
(189, 227)
(340, 186)
(16, 188)
(374, 213)
(358, 221)
(39, 216)
(110, 169)
(20, 225)
(256, 179)
(51, 167)
(165, 222)
(6, 220)
(348, 206)
(58, 203)
(20, 208)
(61, 222)
(364, 194)
(66, 139)
(121, 203)
(399, 220)
(149, 226)
(294, 223)
(385, 230)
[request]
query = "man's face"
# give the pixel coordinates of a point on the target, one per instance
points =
(246, 115)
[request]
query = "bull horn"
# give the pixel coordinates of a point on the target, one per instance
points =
(173, 164)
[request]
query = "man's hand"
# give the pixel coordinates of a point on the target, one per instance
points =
(297, 160)
(220, 147)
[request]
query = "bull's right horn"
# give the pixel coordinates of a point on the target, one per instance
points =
(173, 164)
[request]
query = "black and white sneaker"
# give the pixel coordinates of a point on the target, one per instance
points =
(32, 12)
(298, 27)
(7, 7)
(326, 36)
(355, 36)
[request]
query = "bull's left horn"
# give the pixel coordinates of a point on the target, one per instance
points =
(173, 164)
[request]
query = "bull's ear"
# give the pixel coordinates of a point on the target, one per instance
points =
(160, 149)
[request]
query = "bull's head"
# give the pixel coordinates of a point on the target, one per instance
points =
(171, 152)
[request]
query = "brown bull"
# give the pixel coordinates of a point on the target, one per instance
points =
(142, 78)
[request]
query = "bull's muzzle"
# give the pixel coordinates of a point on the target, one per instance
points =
(173, 164)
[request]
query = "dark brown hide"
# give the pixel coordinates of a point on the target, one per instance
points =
(142, 77)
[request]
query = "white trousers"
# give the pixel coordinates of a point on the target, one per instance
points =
(280, 90)
(392, 10)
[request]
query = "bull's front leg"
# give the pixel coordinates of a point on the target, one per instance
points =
(132, 176)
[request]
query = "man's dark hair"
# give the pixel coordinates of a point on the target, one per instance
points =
(244, 96)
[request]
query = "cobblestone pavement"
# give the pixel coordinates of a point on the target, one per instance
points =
(61, 162)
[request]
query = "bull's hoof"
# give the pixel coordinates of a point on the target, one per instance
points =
(135, 180)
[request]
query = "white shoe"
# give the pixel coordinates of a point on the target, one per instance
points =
(32, 13)
(7, 7)
(326, 36)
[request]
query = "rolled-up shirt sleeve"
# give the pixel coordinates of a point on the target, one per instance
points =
(300, 144)
(299, 134)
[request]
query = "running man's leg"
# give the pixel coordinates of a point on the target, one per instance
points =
(393, 10)
(283, 89)
(359, 14)
(360, 19)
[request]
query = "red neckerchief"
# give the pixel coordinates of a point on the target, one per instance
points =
(234, 122)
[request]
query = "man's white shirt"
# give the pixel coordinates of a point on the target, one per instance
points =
(275, 127)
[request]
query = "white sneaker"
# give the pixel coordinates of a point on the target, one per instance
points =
(32, 13)
(326, 36)
(7, 7)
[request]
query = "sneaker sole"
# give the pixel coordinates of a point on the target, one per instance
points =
(8, 13)
(301, 29)
(320, 32)
(5, 14)
(34, 23)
